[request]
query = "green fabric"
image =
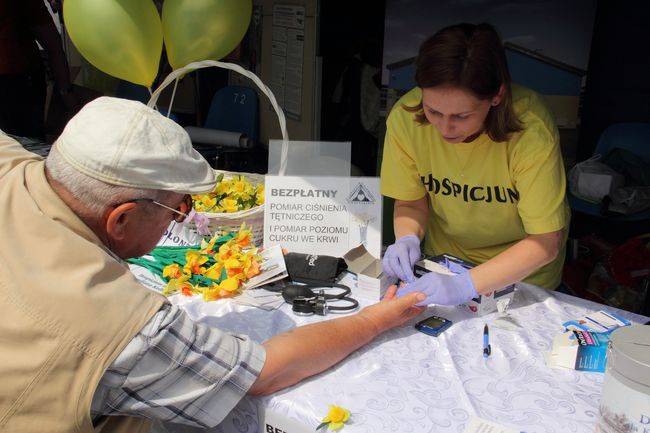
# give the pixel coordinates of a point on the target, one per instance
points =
(163, 256)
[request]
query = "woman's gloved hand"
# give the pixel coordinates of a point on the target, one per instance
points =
(443, 289)
(400, 258)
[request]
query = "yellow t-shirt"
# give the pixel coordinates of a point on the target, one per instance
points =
(484, 196)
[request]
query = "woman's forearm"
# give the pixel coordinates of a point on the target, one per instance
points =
(517, 262)
(410, 217)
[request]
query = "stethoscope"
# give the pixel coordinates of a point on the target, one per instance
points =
(306, 301)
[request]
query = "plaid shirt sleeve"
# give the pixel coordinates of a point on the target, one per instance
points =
(179, 371)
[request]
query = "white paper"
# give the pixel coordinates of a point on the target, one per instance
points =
(479, 425)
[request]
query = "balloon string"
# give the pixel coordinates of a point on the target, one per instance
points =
(233, 67)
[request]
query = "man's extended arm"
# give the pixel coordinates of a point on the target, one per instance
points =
(308, 350)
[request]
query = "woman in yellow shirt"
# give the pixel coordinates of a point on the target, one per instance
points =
(474, 165)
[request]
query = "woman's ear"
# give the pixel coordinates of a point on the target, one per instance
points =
(118, 219)
(496, 100)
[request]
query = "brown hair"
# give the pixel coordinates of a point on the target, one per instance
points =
(469, 57)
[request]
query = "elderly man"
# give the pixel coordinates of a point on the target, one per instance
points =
(85, 347)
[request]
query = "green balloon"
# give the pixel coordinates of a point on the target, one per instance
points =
(196, 30)
(120, 37)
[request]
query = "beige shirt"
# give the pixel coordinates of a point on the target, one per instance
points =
(68, 306)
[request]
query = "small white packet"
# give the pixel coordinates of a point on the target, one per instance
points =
(503, 319)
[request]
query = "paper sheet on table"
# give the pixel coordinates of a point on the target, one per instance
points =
(479, 425)
(260, 298)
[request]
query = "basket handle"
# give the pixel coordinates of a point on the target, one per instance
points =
(233, 67)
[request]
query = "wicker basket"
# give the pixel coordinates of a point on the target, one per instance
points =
(223, 223)
(254, 218)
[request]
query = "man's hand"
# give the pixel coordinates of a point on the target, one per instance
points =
(443, 289)
(400, 258)
(391, 311)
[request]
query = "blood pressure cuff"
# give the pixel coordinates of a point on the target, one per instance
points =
(313, 269)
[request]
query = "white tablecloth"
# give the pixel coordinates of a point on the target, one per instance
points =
(406, 381)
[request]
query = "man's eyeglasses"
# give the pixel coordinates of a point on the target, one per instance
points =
(179, 215)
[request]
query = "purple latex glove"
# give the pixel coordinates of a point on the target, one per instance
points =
(400, 258)
(443, 289)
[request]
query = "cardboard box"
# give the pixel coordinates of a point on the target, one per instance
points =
(579, 350)
(583, 345)
(371, 282)
(483, 304)
(602, 321)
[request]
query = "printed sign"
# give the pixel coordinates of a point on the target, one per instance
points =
(179, 235)
(323, 215)
(273, 422)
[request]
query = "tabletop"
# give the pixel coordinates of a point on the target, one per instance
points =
(406, 381)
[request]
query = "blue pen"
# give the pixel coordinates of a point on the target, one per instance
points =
(487, 349)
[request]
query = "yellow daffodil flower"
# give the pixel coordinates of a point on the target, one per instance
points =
(226, 289)
(229, 205)
(212, 293)
(186, 289)
(208, 247)
(179, 285)
(243, 237)
(239, 184)
(225, 251)
(214, 271)
(244, 195)
(336, 417)
(230, 284)
(204, 202)
(223, 187)
(194, 259)
(253, 269)
(259, 194)
(209, 202)
(233, 267)
(172, 271)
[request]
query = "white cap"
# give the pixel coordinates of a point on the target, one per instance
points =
(124, 142)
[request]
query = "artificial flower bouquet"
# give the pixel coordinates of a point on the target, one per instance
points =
(236, 198)
(215, 269)
(230, 195)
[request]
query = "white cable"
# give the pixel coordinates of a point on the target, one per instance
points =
(233, 67)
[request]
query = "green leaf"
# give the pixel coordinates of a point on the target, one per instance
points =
(321, 425)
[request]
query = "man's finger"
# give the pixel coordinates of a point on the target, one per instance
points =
(390, 292)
